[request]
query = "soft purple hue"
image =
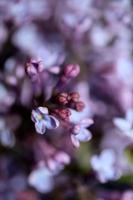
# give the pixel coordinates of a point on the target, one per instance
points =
(43, 120)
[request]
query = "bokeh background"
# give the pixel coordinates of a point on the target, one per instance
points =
(97, 35)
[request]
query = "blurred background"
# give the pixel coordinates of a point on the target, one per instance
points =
(98, 36)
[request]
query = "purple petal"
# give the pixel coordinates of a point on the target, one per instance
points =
(54, 70)
(54, 165)
(43, 110)
(62, 157)
(34, 115)
(31, 70)
(40, 127)
(51, 122)
(107, 155)
(84, 135)
(75, 141)
(86, 122)
(41, 179)
(122, 124)
(129, 115)
(95, 162)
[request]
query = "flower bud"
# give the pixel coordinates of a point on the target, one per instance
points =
(71, 71)
(62, 98)
(33, 67)
(79, 106)
(64, 113)
(74, 96)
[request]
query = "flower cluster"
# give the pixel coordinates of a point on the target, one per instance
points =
(66, 81)
(60, 104)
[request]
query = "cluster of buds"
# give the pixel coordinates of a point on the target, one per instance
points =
(59, 103)
(59, 108)
(71, 100)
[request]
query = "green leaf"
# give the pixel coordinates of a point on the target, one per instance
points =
(83, 156)
(129, 154)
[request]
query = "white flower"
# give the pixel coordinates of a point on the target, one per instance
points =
(80, 133)
(125, 125)
(104, 165)
(7, 97)
(43, 120)
(41, 179)
(6, 136)
(58, 162)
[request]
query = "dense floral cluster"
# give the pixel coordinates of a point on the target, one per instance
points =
(66, 99)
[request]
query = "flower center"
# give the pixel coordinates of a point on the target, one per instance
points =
(40, 117)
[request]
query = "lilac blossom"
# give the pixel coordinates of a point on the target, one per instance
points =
(22, 11)
(34, 68)
(127, 195)
(41, 179)
(14, 72)
(53, 158)
(73, 18)
(80, 133)
(58, 162)
(43, 120)
(50, 49)
(125, 125)
(7, 138)
(7, 98)
(104, 165)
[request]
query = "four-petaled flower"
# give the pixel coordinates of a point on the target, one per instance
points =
(80, 133)
(41, 179)
(125, 125)
(104, 165)
(43, 120)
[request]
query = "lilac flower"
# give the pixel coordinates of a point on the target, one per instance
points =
(127, 195)
(49, 49)
(99, 36)
(80, 133)
(58, 162)
(34, 68)
(104, 165)
(41, 179)
(14, 72)
(22, 11)
(6, 136)
(7, 98)
(43, 120)
(125, 125)
(53, 158)
(73, 18)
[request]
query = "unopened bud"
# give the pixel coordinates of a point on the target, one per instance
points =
(33, 67)
(64, 114)
(71, 71)
(74, 96)
(79, 106)
(62, 98)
